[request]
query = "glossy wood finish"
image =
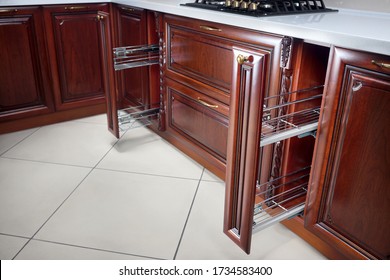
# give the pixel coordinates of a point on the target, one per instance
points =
(131, 30)
(135, 86)
(348, 204)
(256, 78)
(77, 38)
(186, 115)
(24, 84)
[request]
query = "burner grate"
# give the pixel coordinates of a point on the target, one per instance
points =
(263, 8)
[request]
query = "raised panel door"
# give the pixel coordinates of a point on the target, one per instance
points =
(24, 89)
(78, 45)
(349, 201)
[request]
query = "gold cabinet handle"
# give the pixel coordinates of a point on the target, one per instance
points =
(99, 17)
(381, 64)
(72, 8)
(8, 10)
(127, 9)
(242, 59)
(209, 28)
(206, 104)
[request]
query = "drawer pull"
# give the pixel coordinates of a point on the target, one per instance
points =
(209, 28)
(127, 9)
(206, 104)
(8, 11)
(381, 64)
(72, 8)
(242, 59)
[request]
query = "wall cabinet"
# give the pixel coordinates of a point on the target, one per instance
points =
(24, 82)
(349, 191)
(78, 38)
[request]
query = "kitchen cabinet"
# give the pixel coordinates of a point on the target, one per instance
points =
(270, 143)
(348, 203)
(200, 58)
(78, 38)
(136, 99)
(24, 84)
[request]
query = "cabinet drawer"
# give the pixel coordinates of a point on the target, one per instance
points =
(200, 58)
(191, 115)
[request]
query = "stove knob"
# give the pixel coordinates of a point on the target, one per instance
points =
(244, 5)
(253, 6)
(236, 3)
(228, 3)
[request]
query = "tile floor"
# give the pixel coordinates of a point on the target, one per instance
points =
(73, 191)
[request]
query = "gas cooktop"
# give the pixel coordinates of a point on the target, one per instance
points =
(263, 8)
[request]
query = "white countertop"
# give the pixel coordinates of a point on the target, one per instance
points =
(368, 31)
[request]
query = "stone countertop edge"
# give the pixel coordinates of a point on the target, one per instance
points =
(353, 29)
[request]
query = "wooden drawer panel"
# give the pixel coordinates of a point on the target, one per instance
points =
(204, 126)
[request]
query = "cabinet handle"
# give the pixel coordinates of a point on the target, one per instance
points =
(242, 59)
(209, 28)
(99, 17)
(381, 64)
(8, 11)
(127, 9)
(206, 104)
(76, 8)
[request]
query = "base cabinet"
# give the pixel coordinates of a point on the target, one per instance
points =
(348, 203)
(78, 37)
(24, 83)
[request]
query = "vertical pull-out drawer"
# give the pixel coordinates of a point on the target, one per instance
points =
(260, 189)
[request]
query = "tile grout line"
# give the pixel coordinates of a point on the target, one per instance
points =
(13, 146)
(55, 211)
(188, 215)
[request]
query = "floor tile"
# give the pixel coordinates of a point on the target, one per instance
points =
(203, 237)
(208, 176)
(40, 250)
(10, 246)
(123, 212)
(73, 143)
(142, 151)
(31, 191)
(9, 140)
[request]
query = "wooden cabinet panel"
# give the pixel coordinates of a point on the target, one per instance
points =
(78, 38)
(193, 116)
(131, 30)
(201, 57)
(24, 89)
(349, 201)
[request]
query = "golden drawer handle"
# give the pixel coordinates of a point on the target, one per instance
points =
(206, 104)
(242, 59)
(381, 64)
(209, 28)
(72, 8)
(8, 11)
(127, 9)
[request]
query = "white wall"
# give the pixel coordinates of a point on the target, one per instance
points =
(369, 5)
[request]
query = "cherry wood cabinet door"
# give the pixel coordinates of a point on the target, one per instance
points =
(131, 30)
(24, 85)
(255, 76)
(348, 203)
(77, 38)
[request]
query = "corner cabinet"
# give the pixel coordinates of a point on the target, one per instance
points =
(78, 37)
(24, 82)
(348, 203)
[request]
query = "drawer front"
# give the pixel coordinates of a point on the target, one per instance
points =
(200, 60)
(197, 120)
